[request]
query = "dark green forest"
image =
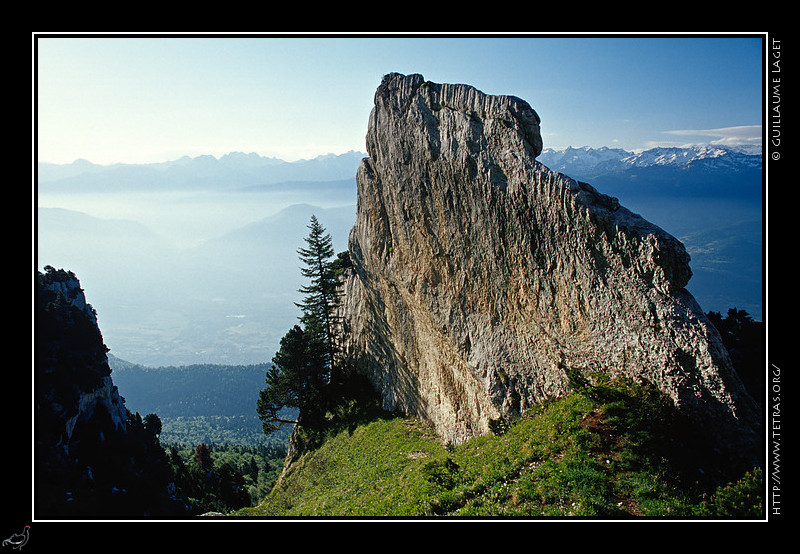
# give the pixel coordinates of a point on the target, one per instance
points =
(221, 478)
(210, 408)
(198, 403)
(192, 390)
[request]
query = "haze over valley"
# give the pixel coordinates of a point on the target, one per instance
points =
(194, 261)
(190, 274)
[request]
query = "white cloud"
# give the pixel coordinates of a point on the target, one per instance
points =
(739, 136)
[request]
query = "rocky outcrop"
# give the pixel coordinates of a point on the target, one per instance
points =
(481, 277)
(73, 376)
(93, 458)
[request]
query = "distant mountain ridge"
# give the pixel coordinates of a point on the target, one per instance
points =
(698, 171)
(604, 160)
(251, 171)
(231, 171)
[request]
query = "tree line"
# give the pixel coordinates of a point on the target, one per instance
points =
(745, 340)
(189, 391)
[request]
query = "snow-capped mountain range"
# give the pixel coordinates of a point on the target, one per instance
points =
(586, 162)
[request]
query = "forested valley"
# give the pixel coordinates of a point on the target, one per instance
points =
(218, 452)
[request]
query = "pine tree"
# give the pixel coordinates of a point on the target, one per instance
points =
(321, 295)
(152, 424)
(292, 380)
(303, 365)
(202, 457)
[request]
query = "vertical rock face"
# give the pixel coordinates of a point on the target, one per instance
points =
(480, 276)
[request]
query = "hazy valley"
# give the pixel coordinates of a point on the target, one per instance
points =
(187, 275)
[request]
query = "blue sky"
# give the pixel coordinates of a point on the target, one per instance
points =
(150, 99)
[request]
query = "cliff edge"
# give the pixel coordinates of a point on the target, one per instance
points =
(93, 459)
(481, 278)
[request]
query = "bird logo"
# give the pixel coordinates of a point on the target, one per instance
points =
(18, 540)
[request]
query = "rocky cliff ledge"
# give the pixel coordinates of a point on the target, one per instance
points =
(481, 277)
(73, 377)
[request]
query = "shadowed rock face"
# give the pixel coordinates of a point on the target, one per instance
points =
(480, 276)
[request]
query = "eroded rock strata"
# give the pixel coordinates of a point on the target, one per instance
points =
(480, 276)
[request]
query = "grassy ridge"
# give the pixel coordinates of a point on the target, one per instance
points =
(371, 471)
(610, 449)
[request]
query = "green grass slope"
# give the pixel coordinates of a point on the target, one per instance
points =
(609, 449)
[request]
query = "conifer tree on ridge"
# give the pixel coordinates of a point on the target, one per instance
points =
(321, 293)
